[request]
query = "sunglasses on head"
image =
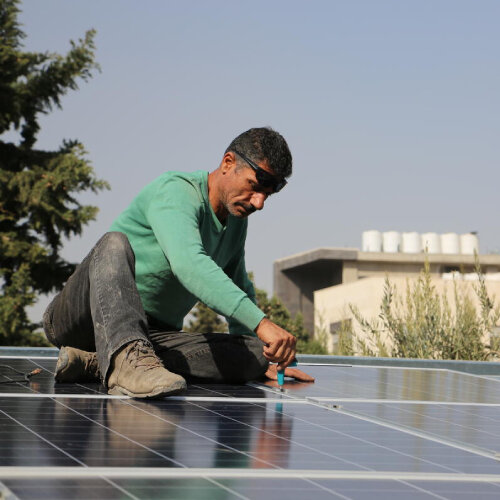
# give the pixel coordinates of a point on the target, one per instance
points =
(264, 178)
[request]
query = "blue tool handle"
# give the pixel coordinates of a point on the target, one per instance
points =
(281, 373)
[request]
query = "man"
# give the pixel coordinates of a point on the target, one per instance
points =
(181, 240)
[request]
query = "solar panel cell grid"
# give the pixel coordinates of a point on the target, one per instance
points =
(388, 433)
(470, 425)
(402, 384)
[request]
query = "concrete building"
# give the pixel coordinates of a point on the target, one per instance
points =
(326, 280)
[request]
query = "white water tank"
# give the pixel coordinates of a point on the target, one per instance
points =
(470, 277)
(411, 243)
(452, 276)
(372, 241)
(431, 242)
(469, 243)
(450, 243)
(391, 241)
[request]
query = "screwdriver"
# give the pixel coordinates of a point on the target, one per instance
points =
(281, 375)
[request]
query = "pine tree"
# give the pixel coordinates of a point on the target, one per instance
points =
(205, 320)
(37, 188)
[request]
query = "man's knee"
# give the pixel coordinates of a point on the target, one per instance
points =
(48, 327)
(113, 253)
(114, 241)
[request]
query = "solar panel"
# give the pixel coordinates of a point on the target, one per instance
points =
(358, 432)
(398, 384)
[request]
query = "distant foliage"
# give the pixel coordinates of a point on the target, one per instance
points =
(37, 188)
(422, 324)
(205, 320)
(345, 343)
(279, 314)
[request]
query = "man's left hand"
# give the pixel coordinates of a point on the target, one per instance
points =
(272, 374)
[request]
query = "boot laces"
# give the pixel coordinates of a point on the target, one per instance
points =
(140, 354)
(91, 362)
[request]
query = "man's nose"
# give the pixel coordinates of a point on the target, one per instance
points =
(258, 200)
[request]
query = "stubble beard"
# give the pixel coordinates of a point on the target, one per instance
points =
(235, 209)
(241, 210)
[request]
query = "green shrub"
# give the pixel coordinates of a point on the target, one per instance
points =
(422, 324)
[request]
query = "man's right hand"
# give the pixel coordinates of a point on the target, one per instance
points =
(279, 344)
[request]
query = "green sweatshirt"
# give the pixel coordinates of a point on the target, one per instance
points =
(184, 254)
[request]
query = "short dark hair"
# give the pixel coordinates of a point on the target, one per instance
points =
(264, 143)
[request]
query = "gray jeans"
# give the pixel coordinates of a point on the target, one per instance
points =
(99, 309)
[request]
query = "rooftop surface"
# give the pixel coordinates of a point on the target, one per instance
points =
(359, 432)
(354, 254)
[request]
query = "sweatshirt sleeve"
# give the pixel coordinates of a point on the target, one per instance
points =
(174, 219)
(236, 270)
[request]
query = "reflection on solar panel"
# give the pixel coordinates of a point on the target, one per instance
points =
(357, 433)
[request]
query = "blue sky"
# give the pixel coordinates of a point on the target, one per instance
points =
(391, 109)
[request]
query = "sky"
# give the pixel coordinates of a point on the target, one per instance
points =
(391, 109)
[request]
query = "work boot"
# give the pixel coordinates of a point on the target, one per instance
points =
(74, 365)
(136, 371)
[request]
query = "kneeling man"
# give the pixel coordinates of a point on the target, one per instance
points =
(181, 240)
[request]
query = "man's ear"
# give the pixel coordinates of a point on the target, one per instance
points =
(228, 162)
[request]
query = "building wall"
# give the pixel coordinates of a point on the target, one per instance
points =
(296, 287)
(396, 269)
